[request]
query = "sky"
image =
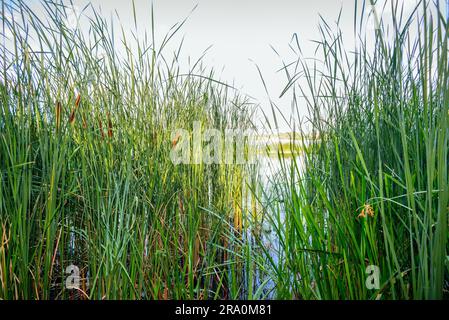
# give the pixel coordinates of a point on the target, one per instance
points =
(242, 34)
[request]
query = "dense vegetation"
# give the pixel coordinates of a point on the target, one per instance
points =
(86, 131)
(373, 188)
(87, 178)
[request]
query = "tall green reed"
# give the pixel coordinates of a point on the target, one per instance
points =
(378, 118)
(87, 180)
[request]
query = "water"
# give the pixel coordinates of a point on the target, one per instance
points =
(272, 177)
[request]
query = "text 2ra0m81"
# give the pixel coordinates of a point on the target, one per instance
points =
(229, 309)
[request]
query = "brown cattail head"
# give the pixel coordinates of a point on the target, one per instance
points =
(72, 114)
(58, 115)
(109, 126)
(100, 124)
(175, 140)
(77, 102)
(72, 117)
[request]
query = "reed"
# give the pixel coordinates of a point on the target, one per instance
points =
(102, 194)
(373, 189)
(87, 182)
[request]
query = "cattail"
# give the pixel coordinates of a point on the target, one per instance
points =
(176, 140)
(100, 124)
(72, 114)
(109, 126)
(72, 117)
(77, 102)
(196, 252)
(58, 115)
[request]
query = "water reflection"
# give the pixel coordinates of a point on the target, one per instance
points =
(266, 230)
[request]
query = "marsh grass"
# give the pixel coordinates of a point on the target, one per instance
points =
(381, 112)
(86, 176)
(86, 124)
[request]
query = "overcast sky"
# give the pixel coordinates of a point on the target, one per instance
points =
(240, 32)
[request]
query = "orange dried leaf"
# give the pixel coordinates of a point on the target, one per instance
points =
(362, 214)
